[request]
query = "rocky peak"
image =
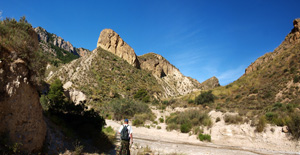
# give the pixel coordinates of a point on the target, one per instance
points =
(46, 37)
(294, 35)
(172, 80)
(42, 34)
(210, 83)
(82, 51)
(109, 40)
(158, 65)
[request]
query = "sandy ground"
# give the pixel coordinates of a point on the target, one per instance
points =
(226, 139)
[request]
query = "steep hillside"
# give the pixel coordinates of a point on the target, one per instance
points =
(58, 50)
(22, 127)
(272, 78)
(102, 76)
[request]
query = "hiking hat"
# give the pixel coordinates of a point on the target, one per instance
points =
(126, 120)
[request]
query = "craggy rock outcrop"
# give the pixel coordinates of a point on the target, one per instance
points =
(172, 80)
(21, 117)
(109, 40)
(46, 38)
(82, 51)
(210, 83)
(291, 39)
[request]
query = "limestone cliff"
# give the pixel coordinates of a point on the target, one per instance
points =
(109, 40)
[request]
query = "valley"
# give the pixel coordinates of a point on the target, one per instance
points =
(70, 94)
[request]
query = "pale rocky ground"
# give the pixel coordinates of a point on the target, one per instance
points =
(226, 139)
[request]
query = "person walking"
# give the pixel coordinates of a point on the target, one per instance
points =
(126, 137)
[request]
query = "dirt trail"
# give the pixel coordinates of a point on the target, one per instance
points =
(164, 142)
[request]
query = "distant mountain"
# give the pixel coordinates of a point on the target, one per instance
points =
(272, 78)
(59, 50)
(113, 70)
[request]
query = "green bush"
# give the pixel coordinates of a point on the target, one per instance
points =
(218, 119)
(185, 128)
(158, 127)
(205, 98)
(188, 119)
(125, 108)
(296, 78)
(294, 125)
(190, 101)
(161, 120)
(204, 137)
(261, 124)
(142, 95)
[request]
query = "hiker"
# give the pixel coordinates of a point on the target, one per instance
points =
(126, 134)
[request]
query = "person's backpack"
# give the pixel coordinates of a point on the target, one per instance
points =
(124, 133)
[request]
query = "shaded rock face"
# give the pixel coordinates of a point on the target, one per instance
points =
(172, 80)
(21, 117)
(109, 40)
(291, 39)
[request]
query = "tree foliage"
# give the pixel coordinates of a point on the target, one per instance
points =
(205, 98)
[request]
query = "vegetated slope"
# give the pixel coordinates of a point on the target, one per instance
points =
(272, 78)
(103, 76)
(57, 49)
(22, 127)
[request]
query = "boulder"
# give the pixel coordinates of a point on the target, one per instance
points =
(285, 129)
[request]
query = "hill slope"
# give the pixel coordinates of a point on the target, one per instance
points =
(272, 78)
(102, 76)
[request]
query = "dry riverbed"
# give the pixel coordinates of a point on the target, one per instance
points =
(226, 139)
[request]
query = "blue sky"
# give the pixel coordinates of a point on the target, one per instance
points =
(201, 38)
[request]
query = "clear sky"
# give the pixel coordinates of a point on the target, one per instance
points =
(202, 38)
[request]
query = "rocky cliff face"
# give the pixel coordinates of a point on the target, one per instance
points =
(21, 117)
(172, 80)
(109, 40)
(46, 37)
(290, 40)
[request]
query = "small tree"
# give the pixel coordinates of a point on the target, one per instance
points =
(56, 96)
(205, 98)
(294, 125)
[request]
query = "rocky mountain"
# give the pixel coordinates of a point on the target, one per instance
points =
(113, 70)
(172, 80)
(168, 76)
(58, 47)
(22, 125)
(272, 78)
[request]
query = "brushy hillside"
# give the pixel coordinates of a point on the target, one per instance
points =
(102, 76)
(272, 78)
